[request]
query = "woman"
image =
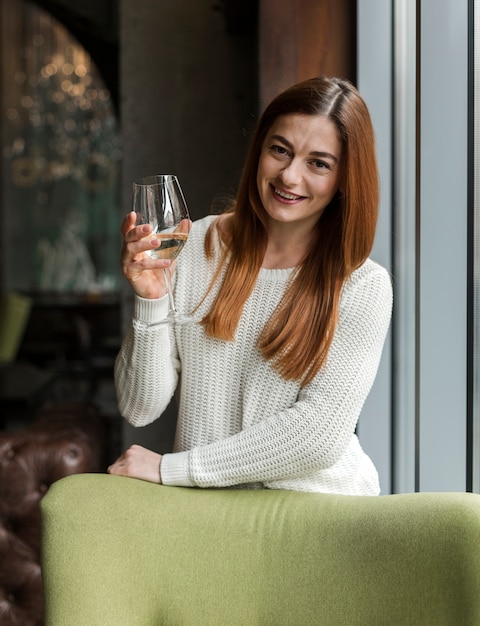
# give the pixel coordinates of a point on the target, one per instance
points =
(293, 314)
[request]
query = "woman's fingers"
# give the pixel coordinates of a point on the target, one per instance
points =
(136, 242)
(138, 462)
(128, 222)
(143, 271)
(133, 256)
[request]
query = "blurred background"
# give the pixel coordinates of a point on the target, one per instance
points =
(98, 93)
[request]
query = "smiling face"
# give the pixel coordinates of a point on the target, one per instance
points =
(299, 168)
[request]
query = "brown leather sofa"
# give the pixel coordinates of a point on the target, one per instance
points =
(60, 441)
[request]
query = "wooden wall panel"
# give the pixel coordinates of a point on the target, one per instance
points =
(303, 38)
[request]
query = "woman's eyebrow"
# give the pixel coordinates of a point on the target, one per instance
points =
(314, 153)
(283, 140)
(324, 155)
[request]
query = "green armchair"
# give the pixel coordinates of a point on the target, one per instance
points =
(122, 552)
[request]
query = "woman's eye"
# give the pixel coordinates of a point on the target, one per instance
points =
(320, 165)
(280, 150)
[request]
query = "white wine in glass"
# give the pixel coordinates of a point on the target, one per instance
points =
(159, 201)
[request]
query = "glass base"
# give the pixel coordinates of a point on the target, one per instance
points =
(175, 319)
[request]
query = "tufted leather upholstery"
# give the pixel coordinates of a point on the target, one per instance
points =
(61, 441)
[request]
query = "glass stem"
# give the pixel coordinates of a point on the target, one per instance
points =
(168, 284)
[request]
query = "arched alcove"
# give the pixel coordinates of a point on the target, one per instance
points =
(61, 151)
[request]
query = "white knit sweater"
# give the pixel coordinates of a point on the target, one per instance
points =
(239, 422)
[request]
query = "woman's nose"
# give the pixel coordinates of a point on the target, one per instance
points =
(292, 172)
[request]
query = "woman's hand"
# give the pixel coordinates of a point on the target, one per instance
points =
(138, 462)
(144, 273)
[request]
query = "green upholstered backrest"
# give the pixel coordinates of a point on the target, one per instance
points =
(14, 314)
(122, 552)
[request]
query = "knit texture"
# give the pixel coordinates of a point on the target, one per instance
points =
(239, 422)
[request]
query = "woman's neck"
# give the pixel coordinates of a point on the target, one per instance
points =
(286, 247)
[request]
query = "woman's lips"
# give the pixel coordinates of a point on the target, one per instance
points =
(285, 196)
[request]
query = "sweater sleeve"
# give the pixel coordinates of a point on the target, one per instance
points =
(314, 433)
(147, 367)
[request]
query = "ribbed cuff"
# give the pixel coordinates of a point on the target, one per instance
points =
(174, 470)
(148, 311)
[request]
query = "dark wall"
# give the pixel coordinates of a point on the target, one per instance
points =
(188, 94)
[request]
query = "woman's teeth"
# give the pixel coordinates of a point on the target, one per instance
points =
(287, 196)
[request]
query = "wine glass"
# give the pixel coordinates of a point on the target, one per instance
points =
(159, 201)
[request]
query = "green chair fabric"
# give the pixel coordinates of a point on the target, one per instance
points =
(122, 552)
(14, 314)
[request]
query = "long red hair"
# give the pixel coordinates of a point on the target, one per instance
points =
(298, 336)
